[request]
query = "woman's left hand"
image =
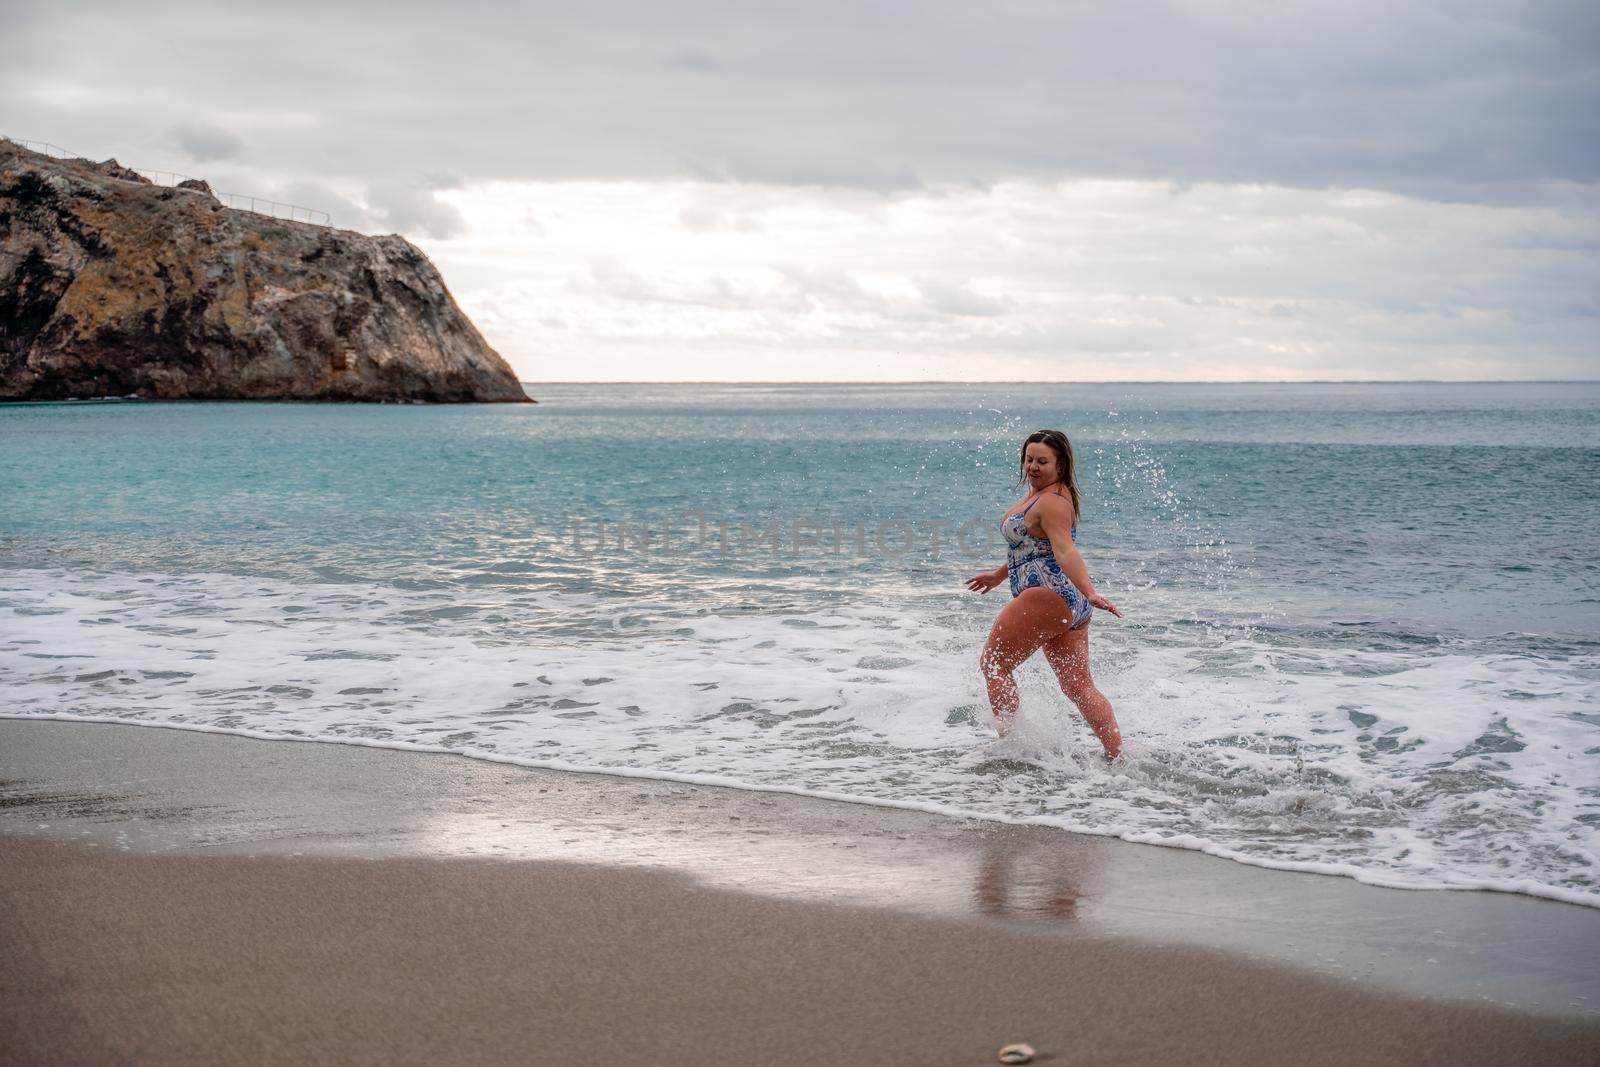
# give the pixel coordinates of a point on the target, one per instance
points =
(1101, 602)
(982, 583)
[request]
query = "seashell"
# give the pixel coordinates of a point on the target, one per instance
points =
(1018, 1053)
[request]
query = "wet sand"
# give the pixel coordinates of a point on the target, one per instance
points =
(181, 898)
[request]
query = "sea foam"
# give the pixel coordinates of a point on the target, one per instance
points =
(1400, 760)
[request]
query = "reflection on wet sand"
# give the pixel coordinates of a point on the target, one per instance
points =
(1017, 879)
(133, 789)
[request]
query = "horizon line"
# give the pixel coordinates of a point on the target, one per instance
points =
(1118, 381)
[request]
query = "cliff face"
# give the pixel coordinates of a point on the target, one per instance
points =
(117, 287)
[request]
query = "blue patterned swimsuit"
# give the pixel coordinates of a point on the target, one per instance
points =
(1032, 562)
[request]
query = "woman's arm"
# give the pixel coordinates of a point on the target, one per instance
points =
(1055, 517)
(982, 583)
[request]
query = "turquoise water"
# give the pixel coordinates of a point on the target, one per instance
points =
(1361, 620)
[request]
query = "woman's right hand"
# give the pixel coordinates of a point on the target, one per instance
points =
(982, 583)
(1101, 602)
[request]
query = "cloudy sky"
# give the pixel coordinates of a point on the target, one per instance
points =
(1069, 191)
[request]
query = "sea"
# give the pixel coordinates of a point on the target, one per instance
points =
(1360, 633)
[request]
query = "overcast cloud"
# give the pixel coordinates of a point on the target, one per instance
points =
(1077, 280)
(1056, 139)
(203, 143)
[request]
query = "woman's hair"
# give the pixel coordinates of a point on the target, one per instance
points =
(1063, 449)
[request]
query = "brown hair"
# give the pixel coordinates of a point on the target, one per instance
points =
(1063, 449)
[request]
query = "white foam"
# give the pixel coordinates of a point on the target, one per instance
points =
(1398, 768)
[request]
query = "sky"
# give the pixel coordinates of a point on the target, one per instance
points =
(1172, 190)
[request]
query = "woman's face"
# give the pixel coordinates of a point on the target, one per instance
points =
(1039, 463)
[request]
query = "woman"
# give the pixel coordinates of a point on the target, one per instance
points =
(1052, 596)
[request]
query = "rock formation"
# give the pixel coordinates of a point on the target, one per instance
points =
(113, 286)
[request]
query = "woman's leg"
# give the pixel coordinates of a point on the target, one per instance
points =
(1068, 656)
(1030, 620)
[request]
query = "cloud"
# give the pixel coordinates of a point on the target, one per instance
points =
(693, 59)
(705, 218)
(1077, 280)
(203, 143)
(413, 209)
(949, 299)
(1466, 101)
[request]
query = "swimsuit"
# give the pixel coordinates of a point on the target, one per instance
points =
(1032, 562)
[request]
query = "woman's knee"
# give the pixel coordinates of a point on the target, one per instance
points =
(995, 663)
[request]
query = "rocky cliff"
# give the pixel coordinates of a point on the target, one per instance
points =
(113, 286)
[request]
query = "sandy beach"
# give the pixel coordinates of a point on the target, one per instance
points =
(182, 898)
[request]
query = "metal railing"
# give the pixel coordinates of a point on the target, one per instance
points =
(242, 201)
(44, 148)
